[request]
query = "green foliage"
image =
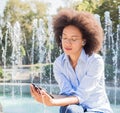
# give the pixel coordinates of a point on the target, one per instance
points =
(1, 72)
(48, 75)
(112, 7)
(55, 52)
(109, 72)
(99, 7)
(87, 5)
(24, 12)
(23, 50)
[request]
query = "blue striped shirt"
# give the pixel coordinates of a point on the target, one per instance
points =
(86, 81)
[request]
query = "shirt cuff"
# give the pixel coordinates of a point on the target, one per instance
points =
(79, 99)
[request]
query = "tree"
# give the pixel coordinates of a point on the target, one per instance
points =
(99, 7)
(24, 12)
(112, 7)
(87, 5)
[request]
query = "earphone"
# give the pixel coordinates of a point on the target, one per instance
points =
(83, 43)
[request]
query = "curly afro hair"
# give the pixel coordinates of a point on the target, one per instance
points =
(86, 22)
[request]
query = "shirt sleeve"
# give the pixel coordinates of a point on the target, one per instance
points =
(62, 80)
(91, 79)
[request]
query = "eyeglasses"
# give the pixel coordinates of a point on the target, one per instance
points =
(72, 40)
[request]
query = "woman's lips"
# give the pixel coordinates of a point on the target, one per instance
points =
(68, 49)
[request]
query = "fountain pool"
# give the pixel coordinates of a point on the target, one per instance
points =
(26, 104)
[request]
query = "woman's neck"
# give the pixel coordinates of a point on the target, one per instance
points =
(74, 60)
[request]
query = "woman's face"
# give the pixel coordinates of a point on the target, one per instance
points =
(72, 41)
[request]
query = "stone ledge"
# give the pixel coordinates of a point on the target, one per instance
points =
(0, 108)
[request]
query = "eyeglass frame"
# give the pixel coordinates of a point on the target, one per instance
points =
(70, 40)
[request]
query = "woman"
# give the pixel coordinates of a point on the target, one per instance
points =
(79, 71)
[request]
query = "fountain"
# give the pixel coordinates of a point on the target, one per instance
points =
(40, 69)
(111, 57)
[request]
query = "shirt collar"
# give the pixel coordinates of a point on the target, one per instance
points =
(83, 56)
(65, 58)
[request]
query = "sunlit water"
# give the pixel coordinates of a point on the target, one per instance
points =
(27, 104)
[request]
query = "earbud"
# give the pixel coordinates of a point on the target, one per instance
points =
(83, 43)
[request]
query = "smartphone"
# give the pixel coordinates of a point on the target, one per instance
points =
(36, 87)
(39, 88)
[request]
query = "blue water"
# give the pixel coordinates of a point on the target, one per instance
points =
(27, 104)
(24, 105)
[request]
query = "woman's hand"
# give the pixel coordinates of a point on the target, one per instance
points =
(42, 97)
(36, 94)
(47, 99)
